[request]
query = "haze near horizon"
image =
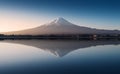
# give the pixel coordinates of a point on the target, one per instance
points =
(25, 14)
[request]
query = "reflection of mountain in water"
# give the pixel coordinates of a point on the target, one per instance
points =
(61, 48)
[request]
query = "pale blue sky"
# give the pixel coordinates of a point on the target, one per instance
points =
(22, 14)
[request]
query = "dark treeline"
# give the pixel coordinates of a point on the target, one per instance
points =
(69, 36)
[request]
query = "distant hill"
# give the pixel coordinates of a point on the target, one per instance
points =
(61, 26)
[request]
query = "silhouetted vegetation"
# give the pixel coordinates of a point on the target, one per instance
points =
(69, 36)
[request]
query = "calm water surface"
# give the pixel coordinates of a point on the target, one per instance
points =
(59, 57)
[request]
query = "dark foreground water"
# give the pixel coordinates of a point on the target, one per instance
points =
(59, 57)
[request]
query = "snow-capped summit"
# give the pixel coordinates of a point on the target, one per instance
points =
(61, 26)
(60, 20)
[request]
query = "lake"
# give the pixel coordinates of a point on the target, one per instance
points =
(59, 57)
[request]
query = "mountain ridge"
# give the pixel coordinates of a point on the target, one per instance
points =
(61, 26)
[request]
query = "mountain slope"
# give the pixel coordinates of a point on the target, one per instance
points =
(61, 26)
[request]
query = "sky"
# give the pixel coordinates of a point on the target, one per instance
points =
(23, 14)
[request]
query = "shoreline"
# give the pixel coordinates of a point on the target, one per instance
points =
(67, 37)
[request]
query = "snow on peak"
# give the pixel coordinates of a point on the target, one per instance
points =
(61, 21)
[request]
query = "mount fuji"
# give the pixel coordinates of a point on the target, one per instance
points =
(61, 26)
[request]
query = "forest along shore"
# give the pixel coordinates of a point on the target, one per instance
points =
(71, 36)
